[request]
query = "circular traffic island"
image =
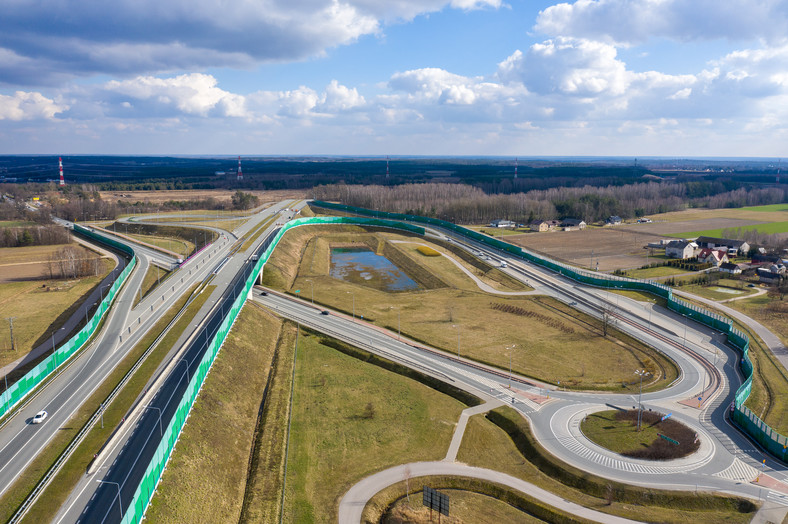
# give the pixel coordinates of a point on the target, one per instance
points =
(658, 439)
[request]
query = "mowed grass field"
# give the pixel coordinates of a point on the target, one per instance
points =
(553, 342)
(38, 308)
(768, 228)
(351, 419)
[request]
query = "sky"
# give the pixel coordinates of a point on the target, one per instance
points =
(395, 77)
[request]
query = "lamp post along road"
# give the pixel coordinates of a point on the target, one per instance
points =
(641, 373)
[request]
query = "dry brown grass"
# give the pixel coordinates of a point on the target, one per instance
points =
(206, 475)
(161, 196)
(569, 349)
(39, 308)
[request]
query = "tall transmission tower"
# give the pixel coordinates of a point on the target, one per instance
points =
(515, 168)
(387, 167)
(60, 168)
(240, 175)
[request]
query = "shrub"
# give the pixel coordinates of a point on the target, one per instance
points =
(427, 251)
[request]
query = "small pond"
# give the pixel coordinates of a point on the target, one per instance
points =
(363, 266)
(727, 290)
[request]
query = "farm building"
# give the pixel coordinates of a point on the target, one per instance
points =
(544, 225)
(502, 223)
(728, 267)
(572, 223)
(740, 246)
(613, 221)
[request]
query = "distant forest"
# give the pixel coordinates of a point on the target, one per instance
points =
(457, 189)
(468, 205)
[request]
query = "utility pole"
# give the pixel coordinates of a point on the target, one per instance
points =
(11, 324)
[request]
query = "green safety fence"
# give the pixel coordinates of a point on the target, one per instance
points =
(144, 492)
(750, 423)
(21, 388)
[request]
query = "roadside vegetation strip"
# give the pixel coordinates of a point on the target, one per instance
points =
(470, 500)
(255, 234)
(262, 500)
(351, 419)
(39, 308)
(68, 475)
(44, 369)
(153, 277)
(502, 440)
(221, 430)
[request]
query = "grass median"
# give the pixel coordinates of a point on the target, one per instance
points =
(58, 490)
(351, 419)
(152, 278)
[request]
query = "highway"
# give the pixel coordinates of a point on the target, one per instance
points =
(20, 441)
(726, 461)
(124, 463)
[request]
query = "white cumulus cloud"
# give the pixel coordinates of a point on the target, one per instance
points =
(635, 21)
(28, 106)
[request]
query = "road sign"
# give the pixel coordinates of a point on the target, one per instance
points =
(436, 500)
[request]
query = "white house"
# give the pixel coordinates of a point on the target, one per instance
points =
(680, 249)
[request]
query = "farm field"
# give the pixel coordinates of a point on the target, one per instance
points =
(622, 247)
(769, 228)
(611, 247)
(159, 197)
(28, 263)
(38, 307)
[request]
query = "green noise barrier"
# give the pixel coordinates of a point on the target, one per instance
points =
(144, 492)
(773, 442)
(31, 380)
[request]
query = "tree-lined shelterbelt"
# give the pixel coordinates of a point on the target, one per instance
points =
(467, 204)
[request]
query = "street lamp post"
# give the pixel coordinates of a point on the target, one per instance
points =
(354, 304)
(641, 373)
(161, 428)
(187, 369)
(120, 503)
(509, 352)
(312, 286)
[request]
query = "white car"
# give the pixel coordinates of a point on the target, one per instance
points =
(39, 418)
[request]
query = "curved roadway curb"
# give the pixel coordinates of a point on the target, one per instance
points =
(352, 504)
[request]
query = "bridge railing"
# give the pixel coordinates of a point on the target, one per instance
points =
(750, 423)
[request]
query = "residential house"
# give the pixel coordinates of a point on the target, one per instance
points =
(613, 221)
(502, 223)
(728, 267)
(740, 246)
(544, 225)
(680, 249)
(572, 223)
(715, 257)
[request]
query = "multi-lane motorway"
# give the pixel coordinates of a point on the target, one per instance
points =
(20, 441)
(725, 462)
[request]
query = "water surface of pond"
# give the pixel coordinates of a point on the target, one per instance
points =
(364, 266)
